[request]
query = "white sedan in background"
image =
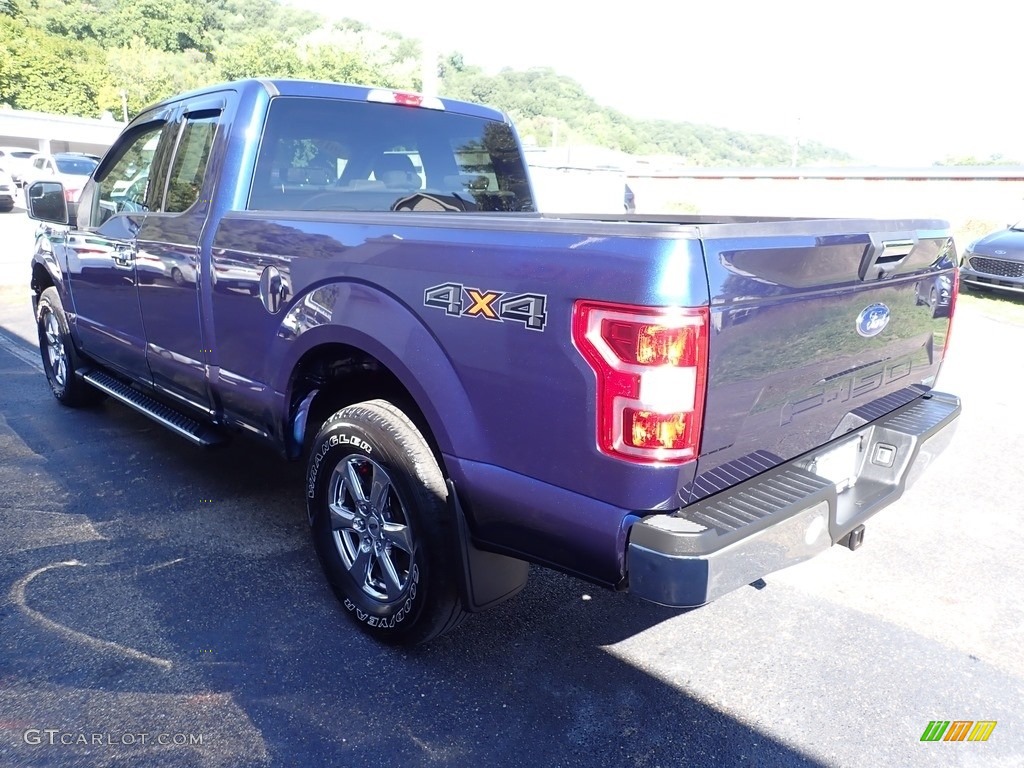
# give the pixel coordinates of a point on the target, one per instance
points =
(71, 169)
(7, 189)
(16, 161)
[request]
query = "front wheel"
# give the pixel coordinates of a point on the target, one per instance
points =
(382, 527)
(59, 361)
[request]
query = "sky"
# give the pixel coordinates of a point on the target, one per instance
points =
(901, 82)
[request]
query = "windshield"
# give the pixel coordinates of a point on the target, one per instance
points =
(75, 166)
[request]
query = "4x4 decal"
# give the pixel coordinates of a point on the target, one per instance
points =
(458, 300)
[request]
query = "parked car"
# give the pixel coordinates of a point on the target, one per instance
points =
(72, 169)
(995, 261)
(6, 192)
(16, 161)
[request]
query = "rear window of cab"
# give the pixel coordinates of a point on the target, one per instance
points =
(323, 155)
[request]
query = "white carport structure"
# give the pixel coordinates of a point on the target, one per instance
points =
(46, 133)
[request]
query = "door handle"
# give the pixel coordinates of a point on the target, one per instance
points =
(124, 255)
(883, 256)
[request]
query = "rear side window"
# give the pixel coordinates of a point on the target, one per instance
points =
(319, 154)
(190, 161)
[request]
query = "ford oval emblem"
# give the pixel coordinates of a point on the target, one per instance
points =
(872, 320)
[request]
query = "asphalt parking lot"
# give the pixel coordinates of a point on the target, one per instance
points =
(163, 605)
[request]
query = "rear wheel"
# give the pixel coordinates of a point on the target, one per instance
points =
(382, 528)
(59, 360)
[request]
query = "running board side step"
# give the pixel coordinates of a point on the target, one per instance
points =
(185, 426)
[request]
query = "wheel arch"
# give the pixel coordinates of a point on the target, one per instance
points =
(333, 375)
(371, 345)
(46, 273)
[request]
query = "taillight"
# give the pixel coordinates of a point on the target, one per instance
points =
(71, 195)
(651, 366)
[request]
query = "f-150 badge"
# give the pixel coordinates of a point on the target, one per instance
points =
(459, 300)
(872, 320)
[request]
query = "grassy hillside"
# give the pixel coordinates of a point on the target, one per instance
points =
(86, 57)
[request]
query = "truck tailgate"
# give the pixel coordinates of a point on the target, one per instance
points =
(816, 328)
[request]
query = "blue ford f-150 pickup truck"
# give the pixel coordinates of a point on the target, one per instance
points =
(673, 406)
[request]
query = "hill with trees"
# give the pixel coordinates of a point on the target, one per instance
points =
(87, 57)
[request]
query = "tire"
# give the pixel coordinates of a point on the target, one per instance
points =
(933, 298)
(381, 525)
(60, 362)
(177, 276)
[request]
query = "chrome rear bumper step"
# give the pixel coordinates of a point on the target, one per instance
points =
(786, 515)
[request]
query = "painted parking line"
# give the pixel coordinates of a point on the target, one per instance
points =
(20, 351)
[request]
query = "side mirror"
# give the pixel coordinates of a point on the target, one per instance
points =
(46, 202)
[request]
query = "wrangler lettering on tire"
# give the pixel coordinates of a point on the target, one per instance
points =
(381, 524)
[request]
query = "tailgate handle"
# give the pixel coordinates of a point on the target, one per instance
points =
(883, 256)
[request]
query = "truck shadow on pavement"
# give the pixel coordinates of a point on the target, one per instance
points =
(194, 576)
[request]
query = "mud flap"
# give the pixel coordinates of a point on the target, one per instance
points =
(487, 578)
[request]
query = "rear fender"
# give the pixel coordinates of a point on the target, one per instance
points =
(376, 323)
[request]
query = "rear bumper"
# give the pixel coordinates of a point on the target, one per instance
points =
(786, 515)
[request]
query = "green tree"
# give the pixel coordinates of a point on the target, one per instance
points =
(46, 73)
(146, 75)
(167, 25)
(540, 98)
(337, 65)
(241, 21)
(79, 20)
(261, 56)
(80, 56)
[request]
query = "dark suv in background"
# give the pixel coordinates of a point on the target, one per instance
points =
(995, 261)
